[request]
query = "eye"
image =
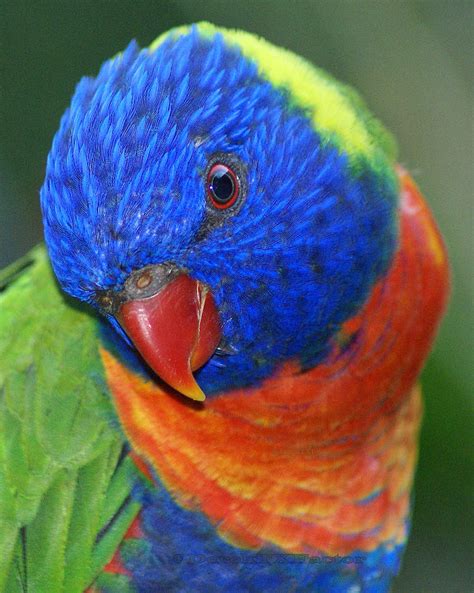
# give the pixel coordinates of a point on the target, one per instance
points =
(223, 186)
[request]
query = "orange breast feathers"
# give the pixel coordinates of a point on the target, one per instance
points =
(319, 462)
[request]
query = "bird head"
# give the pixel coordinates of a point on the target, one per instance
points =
(221, 216)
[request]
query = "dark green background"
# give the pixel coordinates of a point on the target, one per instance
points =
(413, 62)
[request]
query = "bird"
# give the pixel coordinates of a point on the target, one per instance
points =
(209, 373)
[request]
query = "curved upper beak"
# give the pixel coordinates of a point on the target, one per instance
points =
(175, 330)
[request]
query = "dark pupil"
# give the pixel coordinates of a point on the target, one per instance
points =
(222, 186)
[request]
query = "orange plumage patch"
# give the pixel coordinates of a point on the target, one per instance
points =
(319, 462)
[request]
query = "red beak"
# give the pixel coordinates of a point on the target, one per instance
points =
(175, 330)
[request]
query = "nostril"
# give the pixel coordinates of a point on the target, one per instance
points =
(149, 280)
(143, 280)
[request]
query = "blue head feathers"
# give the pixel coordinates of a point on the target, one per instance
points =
(126, 187)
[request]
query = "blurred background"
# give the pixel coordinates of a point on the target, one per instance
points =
(413, 63)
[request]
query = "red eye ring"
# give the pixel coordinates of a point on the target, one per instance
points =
(223, 186)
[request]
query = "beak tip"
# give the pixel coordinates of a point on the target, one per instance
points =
(197, 397)
(191, 390)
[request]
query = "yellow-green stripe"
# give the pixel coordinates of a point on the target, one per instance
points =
(337, 112)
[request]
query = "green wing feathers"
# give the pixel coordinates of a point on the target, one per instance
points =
(64, 481)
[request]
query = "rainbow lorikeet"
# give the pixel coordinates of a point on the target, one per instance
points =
(224, 397)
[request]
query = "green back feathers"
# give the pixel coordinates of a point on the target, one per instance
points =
(337, 112)
(60, 481)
